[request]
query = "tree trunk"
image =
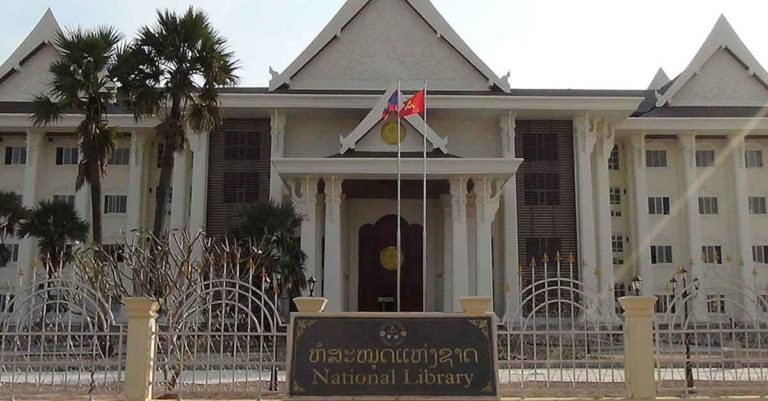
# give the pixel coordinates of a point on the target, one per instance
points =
(163, 185)
(96, 208)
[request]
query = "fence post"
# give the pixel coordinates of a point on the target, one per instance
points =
(140, 353)
(638, 347)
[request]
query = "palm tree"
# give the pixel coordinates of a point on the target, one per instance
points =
(81, 84)
(55, 224)
(12, 212)
(272, 227)
(174, 69)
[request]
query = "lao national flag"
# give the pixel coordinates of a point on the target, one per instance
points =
(391, 106)
(414, 105)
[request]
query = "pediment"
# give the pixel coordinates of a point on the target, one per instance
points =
(371, 43)
(722, 81)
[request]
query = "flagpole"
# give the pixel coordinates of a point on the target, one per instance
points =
(398, 195)
(424, 212)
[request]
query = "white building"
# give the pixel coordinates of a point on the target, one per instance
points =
(626, 181)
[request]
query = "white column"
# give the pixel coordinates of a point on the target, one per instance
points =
(320, 250)
(304, 196)
(29, 197)
(743, 243)
(333, 279)
(277, 122)
(640, 240)
(511, 253)
(459, 256)
(136, 182)
(199, 202)
(487, 192)
(180, 190)
(585, 138)
(445, 202)
(692, 232)
(603, 211)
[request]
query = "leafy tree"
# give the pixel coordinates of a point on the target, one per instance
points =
(81, 84)
(173, 69)
(55, 224)
(12, 212)
(272, 227)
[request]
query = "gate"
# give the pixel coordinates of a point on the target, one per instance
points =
(59, 336)
(228, 340)
(712, 338)
(564, 338)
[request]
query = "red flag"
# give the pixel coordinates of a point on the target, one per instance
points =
(413, 105)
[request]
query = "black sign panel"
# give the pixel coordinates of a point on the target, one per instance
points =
(392, 355)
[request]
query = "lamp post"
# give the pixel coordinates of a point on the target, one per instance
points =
(686, 314)
(636, 285)
(312, 283)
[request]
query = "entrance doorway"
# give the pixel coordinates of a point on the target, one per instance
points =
(377, 266)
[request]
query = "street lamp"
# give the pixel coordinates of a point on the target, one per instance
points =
(312, 283)
(636, 285)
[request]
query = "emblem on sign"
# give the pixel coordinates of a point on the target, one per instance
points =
(392, 333)
(388, 258)
(388, 132)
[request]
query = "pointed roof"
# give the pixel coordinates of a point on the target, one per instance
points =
(350, 10)
(722, 36)
(41, 35)
(659, 80)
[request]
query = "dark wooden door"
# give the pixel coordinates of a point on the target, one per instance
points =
(377, 275)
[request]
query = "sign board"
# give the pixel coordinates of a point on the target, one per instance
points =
(392, 355)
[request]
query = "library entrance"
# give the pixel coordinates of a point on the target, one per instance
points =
(377, 264)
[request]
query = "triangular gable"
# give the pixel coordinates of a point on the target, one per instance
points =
(25, 72)
(352, 8)
(374, 117)
(659, 80)
(722, 49)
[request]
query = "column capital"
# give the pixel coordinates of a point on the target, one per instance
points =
(487, 192)
(585, 129)
(687, 142)
(607, 140)
(333, 196)
(35, 139)
(198, 141)
(507, 123)
(459, 196)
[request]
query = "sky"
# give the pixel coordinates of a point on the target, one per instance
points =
(595, 44)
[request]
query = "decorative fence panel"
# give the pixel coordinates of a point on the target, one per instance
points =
(59, 336)
(712, 339)
(564, 339)
(228, 340)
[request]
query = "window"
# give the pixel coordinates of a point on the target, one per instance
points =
(716, 303)
(615, 195)
(708, 205)
(763, 301)
(540, 146)
(760, 253)
(541, 189)
(756, 205)
(658, 205)
(14, 248)
(15, 155)
(241, 146)
(754, 158)
(536, 248)
(664, 303)
(70, 199)
(619, 290)
(613, 159)
(160, 151)
(705, 158)
(656, 158)
(115, 204)
(241, 187)
(115, 251)
(617, 246)
(6, 303)
(66, 156)
(712, 254)
(120, 156)
(661, 254)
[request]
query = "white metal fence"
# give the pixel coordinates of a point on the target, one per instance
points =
(564, 339)
(59, 336)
